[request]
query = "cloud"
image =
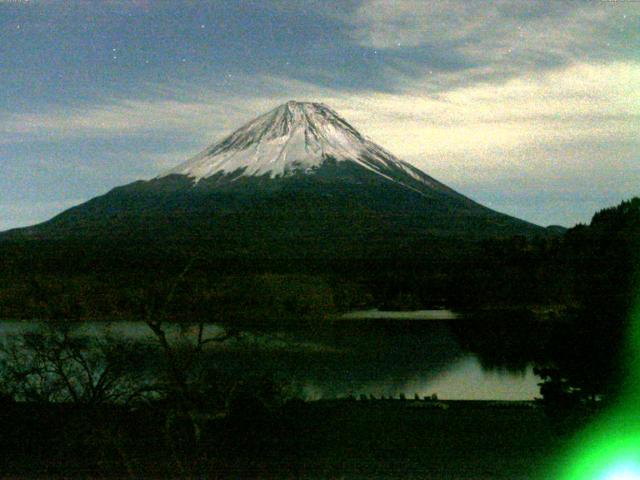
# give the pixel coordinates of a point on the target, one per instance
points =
(115, 118)
(186, 109)
(499, 39)
(586, 101)
(589, 100)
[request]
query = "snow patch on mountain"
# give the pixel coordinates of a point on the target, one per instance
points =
(294, 137)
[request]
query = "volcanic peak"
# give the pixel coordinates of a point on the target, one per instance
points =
(294, 137)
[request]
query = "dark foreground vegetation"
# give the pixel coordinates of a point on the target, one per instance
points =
(339, 439)
(76, 279)
(112, 408)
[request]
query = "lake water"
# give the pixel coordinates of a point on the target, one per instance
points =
(365, 353)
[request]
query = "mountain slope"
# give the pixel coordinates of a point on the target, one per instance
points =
(297, 181)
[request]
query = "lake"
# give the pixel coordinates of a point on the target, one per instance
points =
(372, 353)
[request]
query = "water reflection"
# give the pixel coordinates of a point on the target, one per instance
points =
(467, 379)
(381, 358)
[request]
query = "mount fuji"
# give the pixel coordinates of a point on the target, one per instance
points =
(298, 181)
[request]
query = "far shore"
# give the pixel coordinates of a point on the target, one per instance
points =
(375, 314)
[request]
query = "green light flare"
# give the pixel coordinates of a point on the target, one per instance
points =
(609, 449)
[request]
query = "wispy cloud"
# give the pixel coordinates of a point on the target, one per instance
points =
(586, 101)
(186, 109)
(595, 100)
(499, 39)
(114, 118)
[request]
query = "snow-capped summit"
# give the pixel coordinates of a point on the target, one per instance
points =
(294, 137)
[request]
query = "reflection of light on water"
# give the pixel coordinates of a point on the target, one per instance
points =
(375, 365)
(375, 314)
(466, 380)
(312, 392)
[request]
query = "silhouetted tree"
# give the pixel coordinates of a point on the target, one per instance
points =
(586, 356)
(57, 363)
